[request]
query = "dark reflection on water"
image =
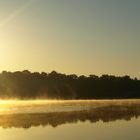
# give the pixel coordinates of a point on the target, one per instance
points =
(105, 114)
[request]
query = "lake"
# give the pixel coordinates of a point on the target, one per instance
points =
(71, 119)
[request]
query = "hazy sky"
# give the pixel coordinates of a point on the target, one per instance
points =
(71, 36)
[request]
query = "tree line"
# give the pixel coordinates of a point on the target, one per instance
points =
(54, 85)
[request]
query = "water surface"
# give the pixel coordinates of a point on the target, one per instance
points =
(66, 120)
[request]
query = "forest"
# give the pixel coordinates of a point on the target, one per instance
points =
(54, 85)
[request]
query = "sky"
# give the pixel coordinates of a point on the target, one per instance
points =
(71, 36)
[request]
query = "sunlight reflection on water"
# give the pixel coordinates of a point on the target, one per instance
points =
(44, 106)
(70, 119)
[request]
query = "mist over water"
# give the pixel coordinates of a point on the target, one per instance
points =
(69, 70)
(46, 106)
(69, 119)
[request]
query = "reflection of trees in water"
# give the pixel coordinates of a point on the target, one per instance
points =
(104, 114)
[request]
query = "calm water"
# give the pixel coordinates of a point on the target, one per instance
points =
(67, 120)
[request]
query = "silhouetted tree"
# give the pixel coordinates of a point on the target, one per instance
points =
(27, 85)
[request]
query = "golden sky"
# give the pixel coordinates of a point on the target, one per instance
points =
(82, 36)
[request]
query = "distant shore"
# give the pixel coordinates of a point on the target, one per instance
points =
(28, 85)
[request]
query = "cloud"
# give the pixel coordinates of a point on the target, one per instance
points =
(16, 13)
